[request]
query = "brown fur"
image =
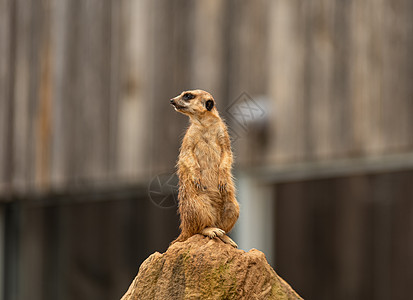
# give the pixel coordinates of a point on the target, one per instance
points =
(207, 203)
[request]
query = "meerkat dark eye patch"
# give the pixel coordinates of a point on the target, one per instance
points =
(188, 96)
(209, 105)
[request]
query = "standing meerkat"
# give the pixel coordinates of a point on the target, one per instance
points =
(207, 203)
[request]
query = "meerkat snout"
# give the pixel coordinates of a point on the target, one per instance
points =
(176, 104)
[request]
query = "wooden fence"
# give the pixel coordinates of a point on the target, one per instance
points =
(84, 111)
(346, 238)
(84, 85)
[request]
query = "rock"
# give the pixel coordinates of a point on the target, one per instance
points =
(204, 268)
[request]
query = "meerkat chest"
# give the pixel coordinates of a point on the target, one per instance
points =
(206, 149)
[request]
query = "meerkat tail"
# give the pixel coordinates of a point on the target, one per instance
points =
(227, 240)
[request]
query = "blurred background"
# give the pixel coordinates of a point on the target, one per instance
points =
(318, 97)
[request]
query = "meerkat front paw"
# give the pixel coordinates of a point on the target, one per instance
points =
(196, 179)
(222, 187)
(213, 232)
(197, 182)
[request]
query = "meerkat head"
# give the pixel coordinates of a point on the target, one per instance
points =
(195, 103)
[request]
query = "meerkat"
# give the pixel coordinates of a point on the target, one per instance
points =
(207, 203)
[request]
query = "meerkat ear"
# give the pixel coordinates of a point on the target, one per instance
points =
(209, 105)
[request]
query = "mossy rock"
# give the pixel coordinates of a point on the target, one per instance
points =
(204, 268)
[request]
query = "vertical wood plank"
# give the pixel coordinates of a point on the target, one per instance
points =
(247, 43)
(286, 81)
(396, 45)
(42, 97)
(353, 198)
(117, 43)
(342, 125)
(21, 118)
(133, 107)
(365, 77)
(208, 48)
(63, 35)
(401, 236)
(33, 244)
(34, 52)
(291, 213)
(247, 47)
(7, 44)
(319, 66)
(94, 71)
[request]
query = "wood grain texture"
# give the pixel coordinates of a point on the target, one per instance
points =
(7, 47)
(286, 81)
(351, 233)
(85, 85)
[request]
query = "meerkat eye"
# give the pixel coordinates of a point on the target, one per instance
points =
(188, 96)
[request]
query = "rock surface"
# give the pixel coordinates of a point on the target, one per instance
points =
(204, 268)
